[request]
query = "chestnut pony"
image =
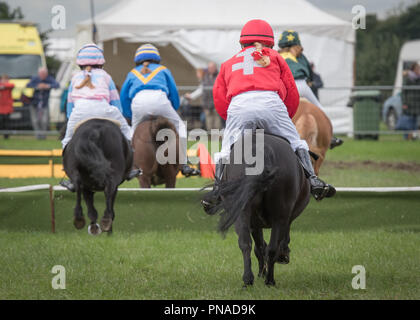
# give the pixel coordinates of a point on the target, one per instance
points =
(315, 128)
(146, 144)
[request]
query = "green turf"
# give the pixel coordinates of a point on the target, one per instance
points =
(165, 247)
(30, 143)
(387, 149)
(366, 177)
(357, 177)
(191, 182)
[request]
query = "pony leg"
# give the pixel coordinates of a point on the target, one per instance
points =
(278, 232)
(284, 251)
(259, 250)
(109, 214)
(170, 172)
(145, 181)
(79, 221)
(92, 213)
(245, 244)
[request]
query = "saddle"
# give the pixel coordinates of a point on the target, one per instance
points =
(312, 154)
(116, 122)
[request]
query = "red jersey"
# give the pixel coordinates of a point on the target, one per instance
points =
(6, 100)
(241, 74)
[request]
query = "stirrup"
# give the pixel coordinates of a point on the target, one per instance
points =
(212, 199)
(327, 191)
(335, 142)
(134, 173)
(68, 185)
(187, 171)
(209, 205)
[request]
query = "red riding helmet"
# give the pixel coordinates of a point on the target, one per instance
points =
(257, 31)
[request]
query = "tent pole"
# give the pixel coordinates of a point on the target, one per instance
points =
(92, 13)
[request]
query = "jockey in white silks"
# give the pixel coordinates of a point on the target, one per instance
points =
(92, 94)
(292, 51)
(150, 90)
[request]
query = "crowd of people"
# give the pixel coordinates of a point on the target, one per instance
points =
(42, 84)
(6, 99)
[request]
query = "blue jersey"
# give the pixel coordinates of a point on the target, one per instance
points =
(159, 79)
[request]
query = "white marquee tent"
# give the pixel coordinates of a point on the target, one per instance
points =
(197, 31)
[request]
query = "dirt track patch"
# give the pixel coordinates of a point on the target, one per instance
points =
(404, 166)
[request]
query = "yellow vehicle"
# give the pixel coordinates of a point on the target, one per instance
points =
(21, 55)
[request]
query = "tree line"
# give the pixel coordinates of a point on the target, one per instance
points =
(378, 46)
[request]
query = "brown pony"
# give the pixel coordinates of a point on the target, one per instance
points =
(315, 128)
(145, 146)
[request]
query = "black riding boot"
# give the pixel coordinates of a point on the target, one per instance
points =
(187, 171)
(67, 183)
(319, 188)
(335, 142)
(213, 198)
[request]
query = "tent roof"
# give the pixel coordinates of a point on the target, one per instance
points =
(136, 16)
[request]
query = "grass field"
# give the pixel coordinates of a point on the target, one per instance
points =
(165, 247)
(391, 161)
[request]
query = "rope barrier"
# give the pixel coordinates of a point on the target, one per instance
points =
(339, 189)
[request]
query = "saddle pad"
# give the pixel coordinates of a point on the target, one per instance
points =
(83, 121)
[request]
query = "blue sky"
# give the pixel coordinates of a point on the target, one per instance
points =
(78, 10)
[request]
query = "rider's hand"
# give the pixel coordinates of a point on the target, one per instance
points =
(43, 86)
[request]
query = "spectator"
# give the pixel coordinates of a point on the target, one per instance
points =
(411, 101)
(205, 90)
(63, 99)
(42, 83)
(316, 81)
(6, 100)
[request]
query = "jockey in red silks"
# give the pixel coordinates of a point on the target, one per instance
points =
(256, 87)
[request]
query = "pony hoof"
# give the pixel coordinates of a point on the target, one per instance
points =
(106, 225)
(94, 229)
(248, 283)
(270, 283)
(79, 223)
(284, 259)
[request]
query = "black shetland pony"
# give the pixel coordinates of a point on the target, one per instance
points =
(98, 158)
(272, 199)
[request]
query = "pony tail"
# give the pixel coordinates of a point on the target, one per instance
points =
(145, 69)
(261, 55)
(87, 81)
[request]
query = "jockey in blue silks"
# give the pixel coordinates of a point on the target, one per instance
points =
(150, 90)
